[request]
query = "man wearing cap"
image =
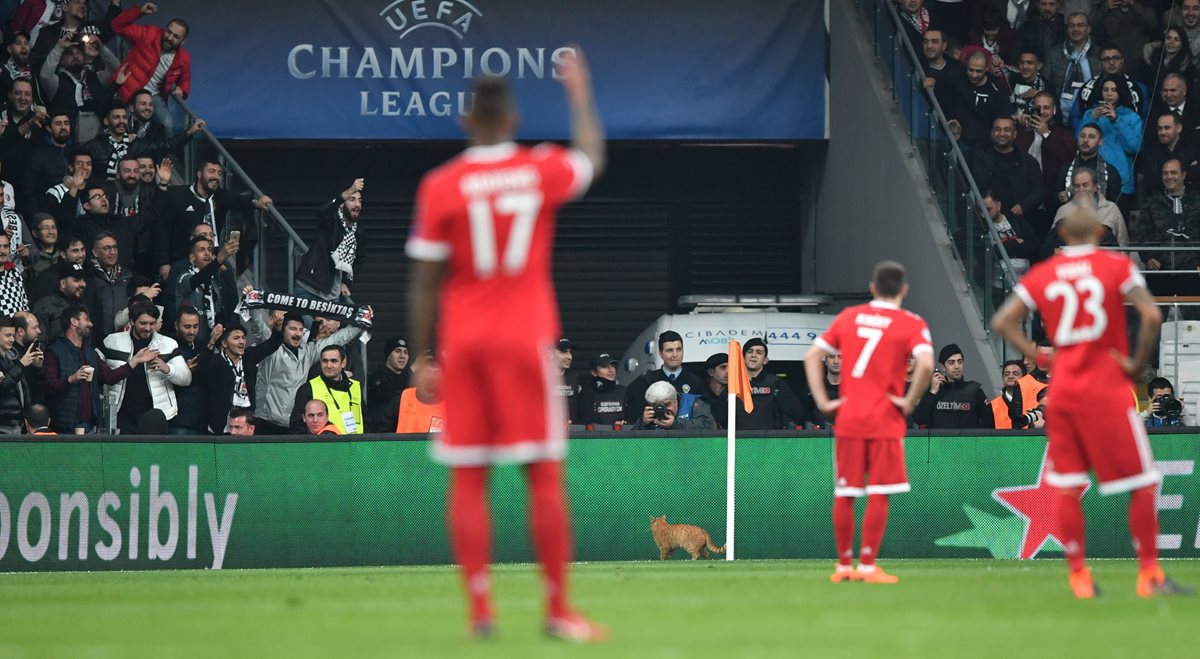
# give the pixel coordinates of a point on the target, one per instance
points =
(953, 401)
(775, 404)
(602, 401)
(71, 288)
(670, 351)
(716, 389)
(386, 383)
(570, 388)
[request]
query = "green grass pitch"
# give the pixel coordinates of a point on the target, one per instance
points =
(674, 609)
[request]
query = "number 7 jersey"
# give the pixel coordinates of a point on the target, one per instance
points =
(874, 340)
(489, 214)
(1080, 294)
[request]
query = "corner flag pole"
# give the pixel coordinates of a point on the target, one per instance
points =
(739, 386)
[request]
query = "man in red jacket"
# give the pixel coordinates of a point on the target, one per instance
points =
(157, 63)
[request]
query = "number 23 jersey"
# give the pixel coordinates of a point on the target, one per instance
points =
(1080, 295)
(489, 214)
(874, 340)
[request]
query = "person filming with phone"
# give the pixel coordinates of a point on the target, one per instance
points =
(1113, 111)
(953, 401)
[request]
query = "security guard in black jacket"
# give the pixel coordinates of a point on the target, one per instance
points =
(953, 401)
(775, 404)
(602, 401)
(716, 389)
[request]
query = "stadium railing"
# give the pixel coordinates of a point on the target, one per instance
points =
(986, 266)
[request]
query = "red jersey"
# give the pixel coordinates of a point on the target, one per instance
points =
(1080, 294)
(874, 340)
(489, 214)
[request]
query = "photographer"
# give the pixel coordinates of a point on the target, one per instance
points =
(663, 405)
(1034, 418)
(1165, 409)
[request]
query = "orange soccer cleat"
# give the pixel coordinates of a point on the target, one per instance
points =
(1082, 585)
(842, 573)
(1153, 581)
(575, 628)
(874, 574)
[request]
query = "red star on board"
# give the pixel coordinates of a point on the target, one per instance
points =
(1036, 504)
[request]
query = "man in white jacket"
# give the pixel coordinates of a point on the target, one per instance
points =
(151, 385)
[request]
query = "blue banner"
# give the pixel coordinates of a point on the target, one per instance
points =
(401, 69)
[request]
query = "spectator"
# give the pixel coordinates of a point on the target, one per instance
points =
(953, 401)
(602, 401)
(569, 387)
(37, 420)
(1113, 112)
(1170, 146)
(1073, 63)
(77, 83)
(775, 405)
(201, 230)
(1052, 145)
(48, 160)
(670, 351)
(75, 374)
(43, 257)
(157, 63)
(1012, 175)
(1107, 179)
(22, 132)
(997, 38)
(230, 377)
(207, 284)
(62, 198)
(241, 422)
(17, 67)
(833, 381)
(150, 136)
(113, 143)
(97, 218)
(135, 204)
(1041, 33)
(1186, 14)
(1125, 24)
(1112, 64)
(386, 383)
(316, 419)
(341, 394)
(1170, 218)
(1026, 82)
(1164, 408)
(662, 410)
(192, 417)
(28, 338)
(70, 17)
(915, 19)
(12, 285)
(946, 76)
(334, 258)
(1173, 56)
(1173, 97)
(420, 408)
(1037, 378)
(715, 393)
(1016, 234)
(1012, 371)
(148, 169)
(1086, 193)
(282, 372)
(185, 207)
(74, 252)
(49, 310)
(107, 287)
(983, 102)
(149, 387)
(14, 387)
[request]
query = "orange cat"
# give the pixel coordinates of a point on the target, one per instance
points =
(693, 539)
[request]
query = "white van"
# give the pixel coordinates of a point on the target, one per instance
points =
(715, 320)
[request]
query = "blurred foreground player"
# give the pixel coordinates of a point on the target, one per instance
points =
(482, 245)
(874, 341)
(1091, 422)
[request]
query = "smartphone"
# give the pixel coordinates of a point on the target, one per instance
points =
(36, 345)
(235, 235)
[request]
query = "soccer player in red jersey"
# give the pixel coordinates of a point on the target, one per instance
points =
(875, 341)
(1091, 422)
(481, 246)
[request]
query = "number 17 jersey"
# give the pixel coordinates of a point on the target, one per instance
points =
(1080, 294)
(874, 340)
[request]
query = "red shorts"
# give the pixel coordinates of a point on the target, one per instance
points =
(882, 460)
(502, 405)
(1110, 442)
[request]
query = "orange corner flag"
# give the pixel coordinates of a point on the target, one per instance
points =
(739, 379)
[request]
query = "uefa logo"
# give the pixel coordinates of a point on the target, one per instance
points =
(406, 16)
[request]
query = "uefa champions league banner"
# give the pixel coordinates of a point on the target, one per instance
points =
(401, 69)
(75, 504)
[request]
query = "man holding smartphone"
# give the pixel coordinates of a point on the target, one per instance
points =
(1042, 135)
(14, 390)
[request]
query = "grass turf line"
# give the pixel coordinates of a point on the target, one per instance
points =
(674, 609)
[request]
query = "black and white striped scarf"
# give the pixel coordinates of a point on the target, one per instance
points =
(119, 149)
(344, 254)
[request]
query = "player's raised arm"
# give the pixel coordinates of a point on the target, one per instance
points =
(1147, 336)
(1007, 323)
(587, 132)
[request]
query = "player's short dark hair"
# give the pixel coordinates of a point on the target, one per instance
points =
(1156, 383)
(243, 412)
(341, 350)
(38, 415)
(493, 99)
(889, 278)
(667, 337)
(1014, 362)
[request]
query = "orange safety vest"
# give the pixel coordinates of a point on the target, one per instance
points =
(1030, 386)
(330, 429)
(1000, 412)
(417, 417)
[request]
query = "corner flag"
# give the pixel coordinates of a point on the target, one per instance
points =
(739, 379)
(739, 386)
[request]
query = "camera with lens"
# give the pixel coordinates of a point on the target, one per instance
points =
(660, 412)
(1033, 416)
(1168, 405)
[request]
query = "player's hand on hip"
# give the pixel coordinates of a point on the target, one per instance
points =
(830, 408)
(1131, 369)
(901, 403)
